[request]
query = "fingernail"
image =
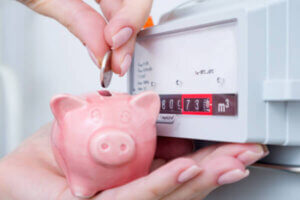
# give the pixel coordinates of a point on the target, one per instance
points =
(266, 150)
(250, 157)
(233, 176)
(125, 64)
(121, 37)
(93, 57)
(189, 173)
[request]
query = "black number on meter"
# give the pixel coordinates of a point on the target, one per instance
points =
(196, 105)
(188, 101)
(163, 104)
(178, 105)
(171, 104)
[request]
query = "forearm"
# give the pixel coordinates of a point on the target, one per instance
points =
(17, 167)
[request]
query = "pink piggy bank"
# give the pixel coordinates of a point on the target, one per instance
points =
(104, 140)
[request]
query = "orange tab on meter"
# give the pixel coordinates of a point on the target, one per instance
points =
(149, 23)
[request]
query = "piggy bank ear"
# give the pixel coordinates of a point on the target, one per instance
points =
(149, 101)
(61, 104)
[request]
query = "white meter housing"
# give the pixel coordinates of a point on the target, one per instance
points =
(226, 70)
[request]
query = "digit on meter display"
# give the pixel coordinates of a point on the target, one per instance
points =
(171, 104)
(163, 104)
(196, 104)
(187, 103)
(178, 105)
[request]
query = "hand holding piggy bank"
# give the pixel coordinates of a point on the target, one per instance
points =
(104, 140)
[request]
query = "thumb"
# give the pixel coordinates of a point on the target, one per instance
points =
(79, 18)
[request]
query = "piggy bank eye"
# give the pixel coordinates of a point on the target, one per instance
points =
(96, 114)
(125, 116)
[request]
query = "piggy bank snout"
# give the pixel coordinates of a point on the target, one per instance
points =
(112, 148)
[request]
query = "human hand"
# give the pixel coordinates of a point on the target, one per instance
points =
(30, 172)
(125, 19)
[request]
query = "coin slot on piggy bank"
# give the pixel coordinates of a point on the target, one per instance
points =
(105, 93)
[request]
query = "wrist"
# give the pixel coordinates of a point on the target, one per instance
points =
(3, 175)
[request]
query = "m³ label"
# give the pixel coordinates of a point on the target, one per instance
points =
(199, 104)
(225, 104)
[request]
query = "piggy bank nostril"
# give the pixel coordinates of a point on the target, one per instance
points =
(123, 147)
(104, 146)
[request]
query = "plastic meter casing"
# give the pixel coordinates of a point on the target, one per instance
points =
(225, 70)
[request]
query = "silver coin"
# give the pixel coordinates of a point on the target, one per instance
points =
(105, 71)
